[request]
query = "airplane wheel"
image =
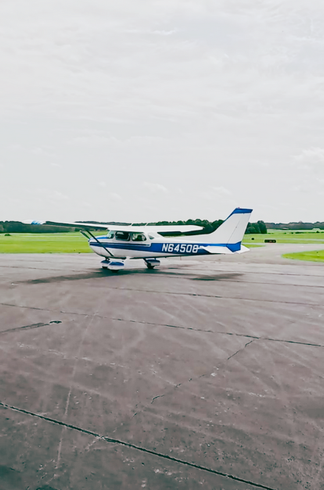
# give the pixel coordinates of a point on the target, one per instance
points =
(150, 266)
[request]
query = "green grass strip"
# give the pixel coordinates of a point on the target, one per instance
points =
(22, 243)
(287, 237)
(252, 245)
(76, 243)
(314, 256)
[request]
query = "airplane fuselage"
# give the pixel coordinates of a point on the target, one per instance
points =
(153, 246)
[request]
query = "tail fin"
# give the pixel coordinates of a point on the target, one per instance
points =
(231, 231)
(233, 228)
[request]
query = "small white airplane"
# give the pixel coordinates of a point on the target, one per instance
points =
(147, 243)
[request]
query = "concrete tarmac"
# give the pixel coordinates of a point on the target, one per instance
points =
(201, 374)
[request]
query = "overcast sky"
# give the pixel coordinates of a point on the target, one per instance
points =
(173, 109)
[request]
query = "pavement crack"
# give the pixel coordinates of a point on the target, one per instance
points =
(187, 381)
(133, 446)
(158, 396)
(248, 343)
(29, 327)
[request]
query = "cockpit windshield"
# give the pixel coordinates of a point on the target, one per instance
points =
(122, 235)
(138, 237)
(125, 235)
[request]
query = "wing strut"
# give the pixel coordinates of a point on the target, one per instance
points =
(95, 238)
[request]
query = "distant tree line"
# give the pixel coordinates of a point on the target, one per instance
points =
(258, 227)
(18, 227)
(296, 226)
(207, 226)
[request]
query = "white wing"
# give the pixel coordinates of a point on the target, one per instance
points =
(97, 226)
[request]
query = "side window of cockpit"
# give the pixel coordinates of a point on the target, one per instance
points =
(138, 237)
(110, 234)
(122, 235)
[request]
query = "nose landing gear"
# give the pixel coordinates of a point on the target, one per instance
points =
(112, 265)
(151, 263)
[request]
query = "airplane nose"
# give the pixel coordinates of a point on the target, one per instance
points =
(92, 243)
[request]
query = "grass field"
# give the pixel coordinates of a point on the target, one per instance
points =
(54, 243)
(314, 256)
(76, 243)
(287, 237)
(44, 243)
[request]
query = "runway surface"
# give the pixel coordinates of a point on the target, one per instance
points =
(202, 374)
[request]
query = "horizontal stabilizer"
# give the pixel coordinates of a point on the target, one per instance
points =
(243, 250)
(217, 250)
(224, 250)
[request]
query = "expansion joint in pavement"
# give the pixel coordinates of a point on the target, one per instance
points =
(166, 325)
(30, 327)
(215, 296)
(269, 339)
(133, 446)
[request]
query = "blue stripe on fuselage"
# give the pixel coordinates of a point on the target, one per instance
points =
(165, 247)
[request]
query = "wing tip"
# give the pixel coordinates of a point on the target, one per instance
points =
(32, 222)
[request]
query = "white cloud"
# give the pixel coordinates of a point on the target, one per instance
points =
(312, 160)
(222, 191)
(95, 139)
(115, 197)
(217, 194)
(204, 92)
(155, 188)
(51, 195)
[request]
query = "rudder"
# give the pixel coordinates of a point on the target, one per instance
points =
(232, 230)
